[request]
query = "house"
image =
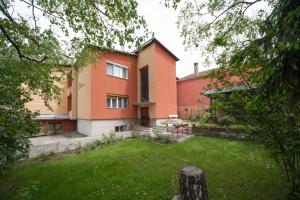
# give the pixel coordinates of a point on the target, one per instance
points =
(118, 91)
(194, 94)
(58, 118)
(191, 100)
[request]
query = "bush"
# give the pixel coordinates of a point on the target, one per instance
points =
(93, 145)
(135, 134)
(111, 138)
(226, 120)
(162, 138)
(203, 119)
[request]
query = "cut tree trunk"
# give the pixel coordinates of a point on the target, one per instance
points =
(192, 184)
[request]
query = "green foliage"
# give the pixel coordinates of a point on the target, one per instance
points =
(262, 49)
(111, 138)
(45, 156)
(162, 138)
(39, 39)
(26, 192)
(226, 120)
(135, 134)
(93, 145)
(204, 118)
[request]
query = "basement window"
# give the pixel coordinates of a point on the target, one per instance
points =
(120, 128)
(54, 128)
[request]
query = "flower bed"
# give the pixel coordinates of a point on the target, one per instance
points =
(225, 132)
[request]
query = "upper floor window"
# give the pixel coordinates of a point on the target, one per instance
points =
(117, 70)
(144, 84)
(117, 102)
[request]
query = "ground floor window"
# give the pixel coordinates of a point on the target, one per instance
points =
(54, 127)
(117, 102)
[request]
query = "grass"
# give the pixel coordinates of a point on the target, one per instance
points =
(136, 170)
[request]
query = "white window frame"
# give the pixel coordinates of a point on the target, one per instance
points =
(110, 104)
(121, 68)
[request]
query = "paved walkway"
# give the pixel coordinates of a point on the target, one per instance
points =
(60, 143)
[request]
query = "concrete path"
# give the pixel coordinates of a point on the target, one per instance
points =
(60, 143)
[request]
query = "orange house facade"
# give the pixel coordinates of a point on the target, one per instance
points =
(193, 97)
(191, 100)
(122, 90)
(117, 92)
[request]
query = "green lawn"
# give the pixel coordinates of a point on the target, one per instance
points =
(136, 169)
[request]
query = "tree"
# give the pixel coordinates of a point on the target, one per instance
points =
(37, 37)
(258, 41)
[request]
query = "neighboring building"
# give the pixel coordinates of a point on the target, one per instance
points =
(194, 96)
(60, 118)
(191, 100)
(120, 90)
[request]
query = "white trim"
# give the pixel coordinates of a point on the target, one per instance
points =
(117, 70)
(52, 116)
(117, 103)
(119, 65)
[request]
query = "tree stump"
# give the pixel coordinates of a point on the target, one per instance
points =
(192, 184)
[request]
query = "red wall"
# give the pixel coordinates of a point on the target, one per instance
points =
(166, 93)
(67, 125)
(103, 84)
(189, 95)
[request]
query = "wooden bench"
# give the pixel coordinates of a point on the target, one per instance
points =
(183, 129)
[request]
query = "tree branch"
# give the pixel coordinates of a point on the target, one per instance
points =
(33, 13)
(17, 47)
(231, 7)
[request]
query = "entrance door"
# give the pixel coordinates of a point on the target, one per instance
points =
(145, 119)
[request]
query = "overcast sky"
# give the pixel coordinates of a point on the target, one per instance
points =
(162, 21)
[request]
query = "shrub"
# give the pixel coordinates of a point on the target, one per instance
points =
(45, 156)
(226, 120)
(93, 145)
(204, 118)
(162, 138)
(135, 134)
(111, 138)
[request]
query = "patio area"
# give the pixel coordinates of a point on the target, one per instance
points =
(64, 142)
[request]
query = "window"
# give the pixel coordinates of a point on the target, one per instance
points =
(54, 127)
(120, 128)
(116, 70)
(117, 102)
(144, 84)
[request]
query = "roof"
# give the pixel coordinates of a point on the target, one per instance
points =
(193, 75)
(151, 41)
(113, 50)
(237, 88)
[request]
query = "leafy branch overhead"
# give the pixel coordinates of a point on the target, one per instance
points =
(36, 24)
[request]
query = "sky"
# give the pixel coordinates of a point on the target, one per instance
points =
(162, 21)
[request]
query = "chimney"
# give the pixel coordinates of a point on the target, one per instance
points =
(196, 68)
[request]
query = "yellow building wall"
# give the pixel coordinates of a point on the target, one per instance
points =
(74, 94)
(37, 104)
(147, 58)
(84, 92)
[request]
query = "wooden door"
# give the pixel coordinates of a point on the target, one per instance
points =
(145, 119)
